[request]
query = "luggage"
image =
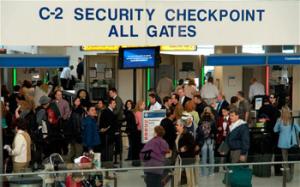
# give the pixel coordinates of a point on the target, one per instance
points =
(239, 176)
(262, 170)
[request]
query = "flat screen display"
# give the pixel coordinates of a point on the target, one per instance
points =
(135, 58)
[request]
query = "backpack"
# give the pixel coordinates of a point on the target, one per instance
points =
(206, 129)
(52, 117)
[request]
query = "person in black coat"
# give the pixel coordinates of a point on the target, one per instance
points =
(170, 130)
(182, 97)
(200, 104)
(84, 98)
(268, 114)
(73, 131)
(186, 151)
(131, 127)
(80, 68)
(222, 103)
(108, 128)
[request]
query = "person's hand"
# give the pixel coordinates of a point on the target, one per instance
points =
(183, 149)
(197, 148)
(242, 158)
(262, 120)
(104, 129)
(220, 129)
(7, 147)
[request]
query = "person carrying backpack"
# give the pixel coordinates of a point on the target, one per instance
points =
(59, 114)
(205, 134)
(40, 134)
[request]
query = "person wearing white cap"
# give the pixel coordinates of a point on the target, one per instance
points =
(185, 147)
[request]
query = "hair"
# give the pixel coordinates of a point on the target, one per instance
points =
(21, 124)
(160, 131)
(273, 95)
(79, 58)
(166, 99)
(17, 88)
(169, 112)
(198, 96)
(76, 99)
(207, 110)
(86, 92)
(3, 108)
(210, 79)
(180, 82)
(89, 107)
(189, 106)
(113, 90)
(181, 122)
(226, 108)
(241, 93)
(55, 92)
(235, 111)
(176, 96)
(132, 104)
(111, 100)
(180, 88)
(26, 105)
(138, 106)
(27, 84)
(102, 100)
(152, 95)
(191, 82)
(44, 87)
(178, 111)
(286, 116)
(234, 99)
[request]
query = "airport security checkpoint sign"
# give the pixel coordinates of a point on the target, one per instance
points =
(150, 120)
(149, 22)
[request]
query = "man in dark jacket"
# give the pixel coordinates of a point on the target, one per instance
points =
(170, 130)
(108, 127)
(200, 104)
(80, 68)
(238, 138)
(118, 111)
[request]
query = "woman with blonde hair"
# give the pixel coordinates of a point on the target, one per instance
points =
(288, 137)
(137, 140)
(190, 108)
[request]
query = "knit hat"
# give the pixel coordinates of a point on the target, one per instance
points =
(186, 116)
(44, 100)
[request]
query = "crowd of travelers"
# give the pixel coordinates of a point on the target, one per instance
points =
(37, 121)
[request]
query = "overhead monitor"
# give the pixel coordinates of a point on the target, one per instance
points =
(138, 58)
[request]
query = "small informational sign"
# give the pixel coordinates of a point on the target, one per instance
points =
(258, 103)
(150, 120)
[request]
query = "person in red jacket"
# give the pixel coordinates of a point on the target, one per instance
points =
(223, 124)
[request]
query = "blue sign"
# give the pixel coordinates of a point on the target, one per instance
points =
(31, 61)
(235, 60)
(280, 60)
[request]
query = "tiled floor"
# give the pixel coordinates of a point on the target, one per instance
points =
(135, 179)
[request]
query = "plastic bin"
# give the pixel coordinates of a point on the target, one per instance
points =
(26, 181)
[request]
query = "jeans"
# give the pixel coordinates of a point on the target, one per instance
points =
(153, 180)
(207, 157)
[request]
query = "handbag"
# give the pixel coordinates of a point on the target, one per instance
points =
(224, 148)
(239, 176)
(294, 151)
